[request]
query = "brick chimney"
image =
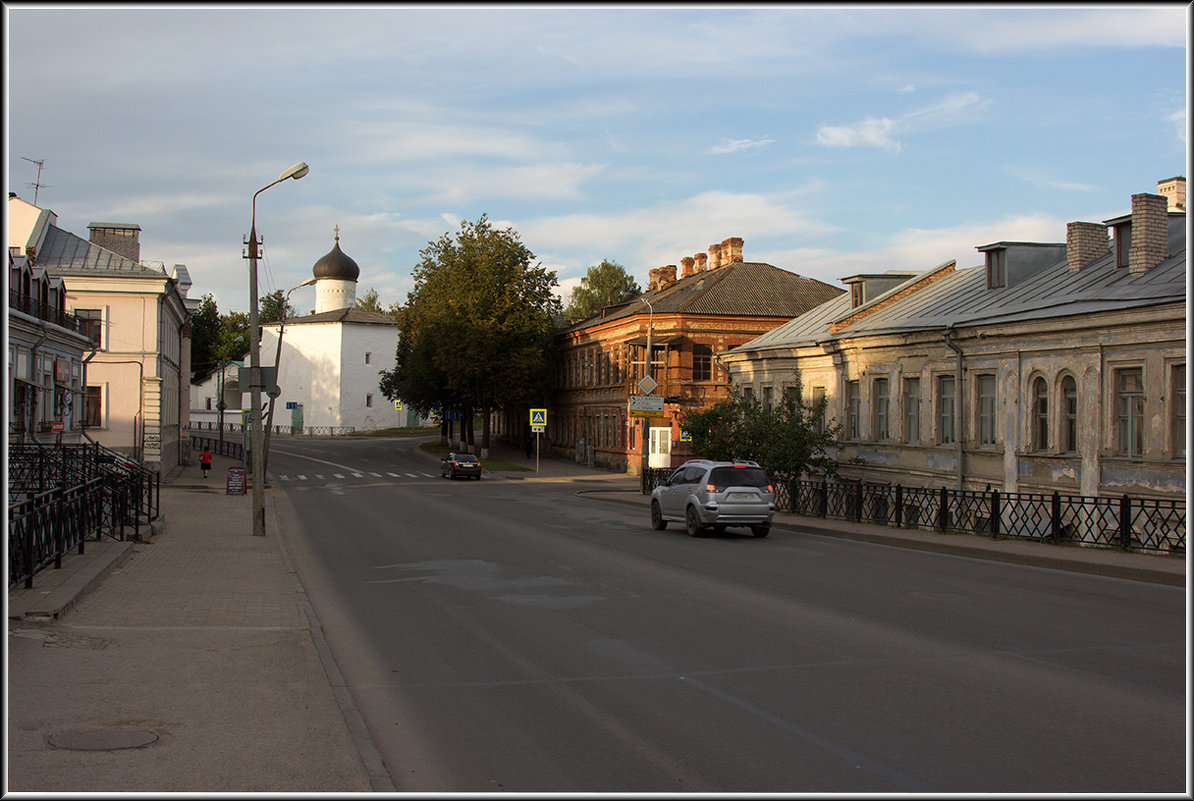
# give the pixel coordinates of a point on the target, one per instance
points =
(1085, 242)
(121, 238)
(714, 257)
(731, 250)
(1174, 190)
(667, 276)
(1150, 232)
(653, 279)
(701, 259)
(686, 266)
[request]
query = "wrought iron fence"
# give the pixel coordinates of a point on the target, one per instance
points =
(1146, 524)
(44, 527)
(233, 449)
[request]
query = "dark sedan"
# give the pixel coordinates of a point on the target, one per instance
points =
(460, 464)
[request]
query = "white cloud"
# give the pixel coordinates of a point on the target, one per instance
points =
(881, 132)
(736, 145)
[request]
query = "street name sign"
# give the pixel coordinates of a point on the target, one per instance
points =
(645, 406)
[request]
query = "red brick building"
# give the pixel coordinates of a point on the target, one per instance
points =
(717, 302)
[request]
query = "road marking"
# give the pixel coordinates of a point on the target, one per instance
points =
(376, 475)
(302, 478)
(414, 475)
(337, 475)
(395, 475)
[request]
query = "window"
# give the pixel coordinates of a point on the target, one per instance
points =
(1129, 403)
(368, 357)
(853, 402)
(945, 410)
(912, 409)
(986, 411)
(368, 399)
(768, 393)
(207, 403)
(1123, 244)
(856, 295)
(1069, 415)
(702, 363)
(1040, 415)
(819, 406)
(93, 405)
(996, 268)
(881, 404)
(748, 393)
(1179, 411)
(90, 324)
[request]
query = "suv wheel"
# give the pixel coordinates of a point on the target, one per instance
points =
(760, 531)
(657, 521)
(692, 522)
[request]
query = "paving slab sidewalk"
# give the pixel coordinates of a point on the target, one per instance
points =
(197, 645)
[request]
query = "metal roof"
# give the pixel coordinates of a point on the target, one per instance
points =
(63, 253)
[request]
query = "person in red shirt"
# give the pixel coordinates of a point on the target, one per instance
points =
(205, 461)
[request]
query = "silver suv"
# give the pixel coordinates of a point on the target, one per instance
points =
(702, 493)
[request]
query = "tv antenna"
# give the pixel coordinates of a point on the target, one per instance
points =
(37, 184)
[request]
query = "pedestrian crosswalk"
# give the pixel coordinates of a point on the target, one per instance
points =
(350, 475)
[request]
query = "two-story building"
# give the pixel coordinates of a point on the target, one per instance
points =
(1048, 367)
(718, 301)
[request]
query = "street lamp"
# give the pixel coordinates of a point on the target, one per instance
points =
(646, 420)
(256, 448)
(269, 426)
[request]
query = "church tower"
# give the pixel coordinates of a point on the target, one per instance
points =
(335, 280)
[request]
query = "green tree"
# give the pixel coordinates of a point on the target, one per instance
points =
(476, 331)
(233, 342)
(790, 439)
(606, 284)
(273, 307)
(369, 302)
(205, 337)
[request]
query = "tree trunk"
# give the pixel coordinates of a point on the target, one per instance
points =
(485, 434)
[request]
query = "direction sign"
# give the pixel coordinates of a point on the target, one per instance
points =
(645, 406)
(538, 417)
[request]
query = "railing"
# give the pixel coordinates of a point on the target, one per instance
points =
(44, 311)
(280, 430)
(233, 449)
(44, 527)
(1146, 524)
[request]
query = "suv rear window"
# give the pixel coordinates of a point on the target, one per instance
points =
(722, 477)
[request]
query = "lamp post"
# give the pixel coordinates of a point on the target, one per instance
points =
(269, 426)
(297, 171)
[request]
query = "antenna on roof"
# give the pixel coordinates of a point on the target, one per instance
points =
(37, 184)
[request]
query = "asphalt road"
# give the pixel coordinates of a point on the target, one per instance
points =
(504, 635)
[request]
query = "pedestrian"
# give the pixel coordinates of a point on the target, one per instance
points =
(205, 461)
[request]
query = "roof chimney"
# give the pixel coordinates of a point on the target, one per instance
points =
(714, 257)
(1150, 232)
(122, 239)
(653, 279)
(686, 266)
(701, 259)
(731, 250)
(1085, 242)
(1174, 190)
(667, 276)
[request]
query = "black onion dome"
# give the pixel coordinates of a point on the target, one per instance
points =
(337, 264)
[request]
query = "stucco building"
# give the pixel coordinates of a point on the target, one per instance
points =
(1049, 367)
(135, 376)
(716, 302)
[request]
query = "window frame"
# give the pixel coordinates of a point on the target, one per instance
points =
(1177, 379)
(912, 409)
(853, 409)
(881, 390)
(1129, 413)
(702, 362)
(947, 433)
(1067, 441)
(1038, 414)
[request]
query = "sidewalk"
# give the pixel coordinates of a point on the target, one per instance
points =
(188, 663)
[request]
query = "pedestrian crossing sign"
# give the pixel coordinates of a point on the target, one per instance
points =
(538, 417)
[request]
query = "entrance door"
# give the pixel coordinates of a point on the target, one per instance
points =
(660, 453)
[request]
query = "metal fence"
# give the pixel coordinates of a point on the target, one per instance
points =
(279, 430)
(233, 449)
(61, 495)
(1145, 524)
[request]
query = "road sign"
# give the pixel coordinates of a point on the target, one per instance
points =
(397, 405)
(538, 417)
(645, 406)
(647, 384)
(538, 429)
(685, 436)
(291, 404)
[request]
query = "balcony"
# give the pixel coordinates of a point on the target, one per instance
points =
(42, 311)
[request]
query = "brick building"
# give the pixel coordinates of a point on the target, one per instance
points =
(717, 301)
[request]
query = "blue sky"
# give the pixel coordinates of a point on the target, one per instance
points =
(832, 139)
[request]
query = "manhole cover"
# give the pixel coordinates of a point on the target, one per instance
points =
(103, 740)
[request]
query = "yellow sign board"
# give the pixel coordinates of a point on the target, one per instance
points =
(538, 417)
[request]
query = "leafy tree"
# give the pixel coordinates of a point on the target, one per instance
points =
(369, 302)
(233, 342)
(205, 336)
(789, 440)
(273, 307)
(606, 284)
(476, 331)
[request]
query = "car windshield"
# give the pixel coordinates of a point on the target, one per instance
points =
(722, 477)
(465, 457)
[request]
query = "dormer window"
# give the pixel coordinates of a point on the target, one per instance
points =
(996, 268)
(1123, 244)
(856, 295)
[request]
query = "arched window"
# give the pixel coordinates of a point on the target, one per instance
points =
(1040, 415)
(1069, 415)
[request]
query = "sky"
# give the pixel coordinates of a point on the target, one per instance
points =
(834, 140)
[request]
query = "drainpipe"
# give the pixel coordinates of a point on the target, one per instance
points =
(958, 396)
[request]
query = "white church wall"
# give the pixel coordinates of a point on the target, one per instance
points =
(366, 351)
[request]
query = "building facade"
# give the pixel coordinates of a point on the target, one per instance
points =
(135, 377)
(718, 301)
(1049, 367)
